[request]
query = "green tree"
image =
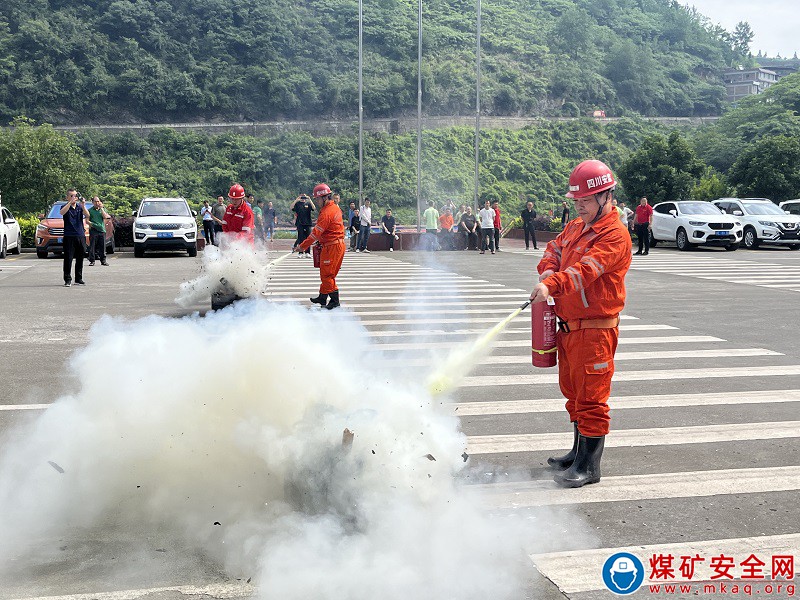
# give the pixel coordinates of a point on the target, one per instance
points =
(38, 165)
(711, 186)
(662, 169)
(742, 37)
(770, 168)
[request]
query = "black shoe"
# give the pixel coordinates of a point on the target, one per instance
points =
(67, 284)
(585, 468)
(645, 253)
(638, 253)
(562, 463)
(334, 301)
(80, 282)
(91, 263)
(322, 299)
(104, 263)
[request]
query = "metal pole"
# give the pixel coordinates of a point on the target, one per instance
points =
(419, 119)
(477, 103)
(360, 102)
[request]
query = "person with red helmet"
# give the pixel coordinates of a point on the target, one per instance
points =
(584, 270)
(328, 233)
(238, 219)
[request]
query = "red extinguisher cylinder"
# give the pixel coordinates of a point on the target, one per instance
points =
(543, 334)
(316, 251)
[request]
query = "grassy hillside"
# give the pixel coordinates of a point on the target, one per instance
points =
(80, 61)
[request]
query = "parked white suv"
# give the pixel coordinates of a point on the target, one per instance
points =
(10, 235)
(692, 223)
(792, 207)
(164, 224)
(764, 222)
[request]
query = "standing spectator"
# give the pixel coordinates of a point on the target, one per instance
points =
(208, 222)
(446, 228)
(643, 223)
(389, 227)
(469, 227)
(218, 212)
(528, 218)
(270, 220)
(626, 215)
(486, 216)
(457, 217)
(619, 210)
(302, 208)
(498, 226)
(97, 232)
(258, 215)
(365, 215)
(350, 211)
(564, 215)
(431, 218)
(355, 227)
(74, 236)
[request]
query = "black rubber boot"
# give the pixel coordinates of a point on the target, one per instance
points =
(322, 299)
(334, 301)
(586, 467)
(562, 463)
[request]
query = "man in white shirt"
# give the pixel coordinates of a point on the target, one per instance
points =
(365, 217)
(486, 217)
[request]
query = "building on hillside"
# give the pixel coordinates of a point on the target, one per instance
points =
(781, 70)
(741, 83)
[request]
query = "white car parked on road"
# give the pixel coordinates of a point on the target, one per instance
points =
(764, 222)
(10, 235)
(164, 224)
(791, 206)
(692, 223)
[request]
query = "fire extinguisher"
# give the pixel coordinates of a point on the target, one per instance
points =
(316, 250)
(543, 333)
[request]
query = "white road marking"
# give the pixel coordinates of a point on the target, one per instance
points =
(581, 571)
(622, 438)
(511, 407)
(473, 321)
(392, 346)
(690, 484)
(9, 407)
(233, 589)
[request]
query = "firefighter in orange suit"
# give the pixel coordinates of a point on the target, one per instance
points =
(584, 269)
(329, 233)
(238, 220)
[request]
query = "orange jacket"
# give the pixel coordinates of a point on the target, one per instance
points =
(239, 221)
(446, 222)
(589, 268)
(329, 227)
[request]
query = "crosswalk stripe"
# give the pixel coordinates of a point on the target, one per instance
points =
(667, 374)
(689, 484)
(473, 321)
(623, 438)
(513, 407)
(358, 295)
(581, 570)
(228, 589)
(9, 407)
(653, 340)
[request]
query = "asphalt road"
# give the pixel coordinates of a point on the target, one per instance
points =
(703, 457)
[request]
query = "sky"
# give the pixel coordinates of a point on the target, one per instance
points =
(774, 22)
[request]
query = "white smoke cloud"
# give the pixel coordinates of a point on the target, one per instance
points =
(237, 419)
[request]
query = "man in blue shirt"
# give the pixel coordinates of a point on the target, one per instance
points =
(74, 236)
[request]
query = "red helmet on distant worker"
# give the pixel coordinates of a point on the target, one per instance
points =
(236, 192)
(590, 177)
(321, 189)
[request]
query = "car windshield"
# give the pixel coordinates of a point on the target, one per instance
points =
(698, 208)
(55, 211)
(762, 208)
(164, 208)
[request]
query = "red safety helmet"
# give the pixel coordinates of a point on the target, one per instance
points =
(236, 192)
(590, 177)
(321, 189)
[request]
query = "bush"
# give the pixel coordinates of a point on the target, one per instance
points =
(27, 226)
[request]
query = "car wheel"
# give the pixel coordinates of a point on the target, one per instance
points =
(110, 249)
(138, 252)
(193, 252)
(732, 247)
(750, 238)
(18, 249)
(3, 248)
(794, 247)
(41, 253)
(653, 241)
(682, 240)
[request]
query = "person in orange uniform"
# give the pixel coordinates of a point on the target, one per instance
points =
(238, 219)
(329, 233)
(584, 270)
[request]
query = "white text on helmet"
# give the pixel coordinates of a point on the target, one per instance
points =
(598, 181)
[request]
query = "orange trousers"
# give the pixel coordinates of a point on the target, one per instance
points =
(585, 368)
(330, 261)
